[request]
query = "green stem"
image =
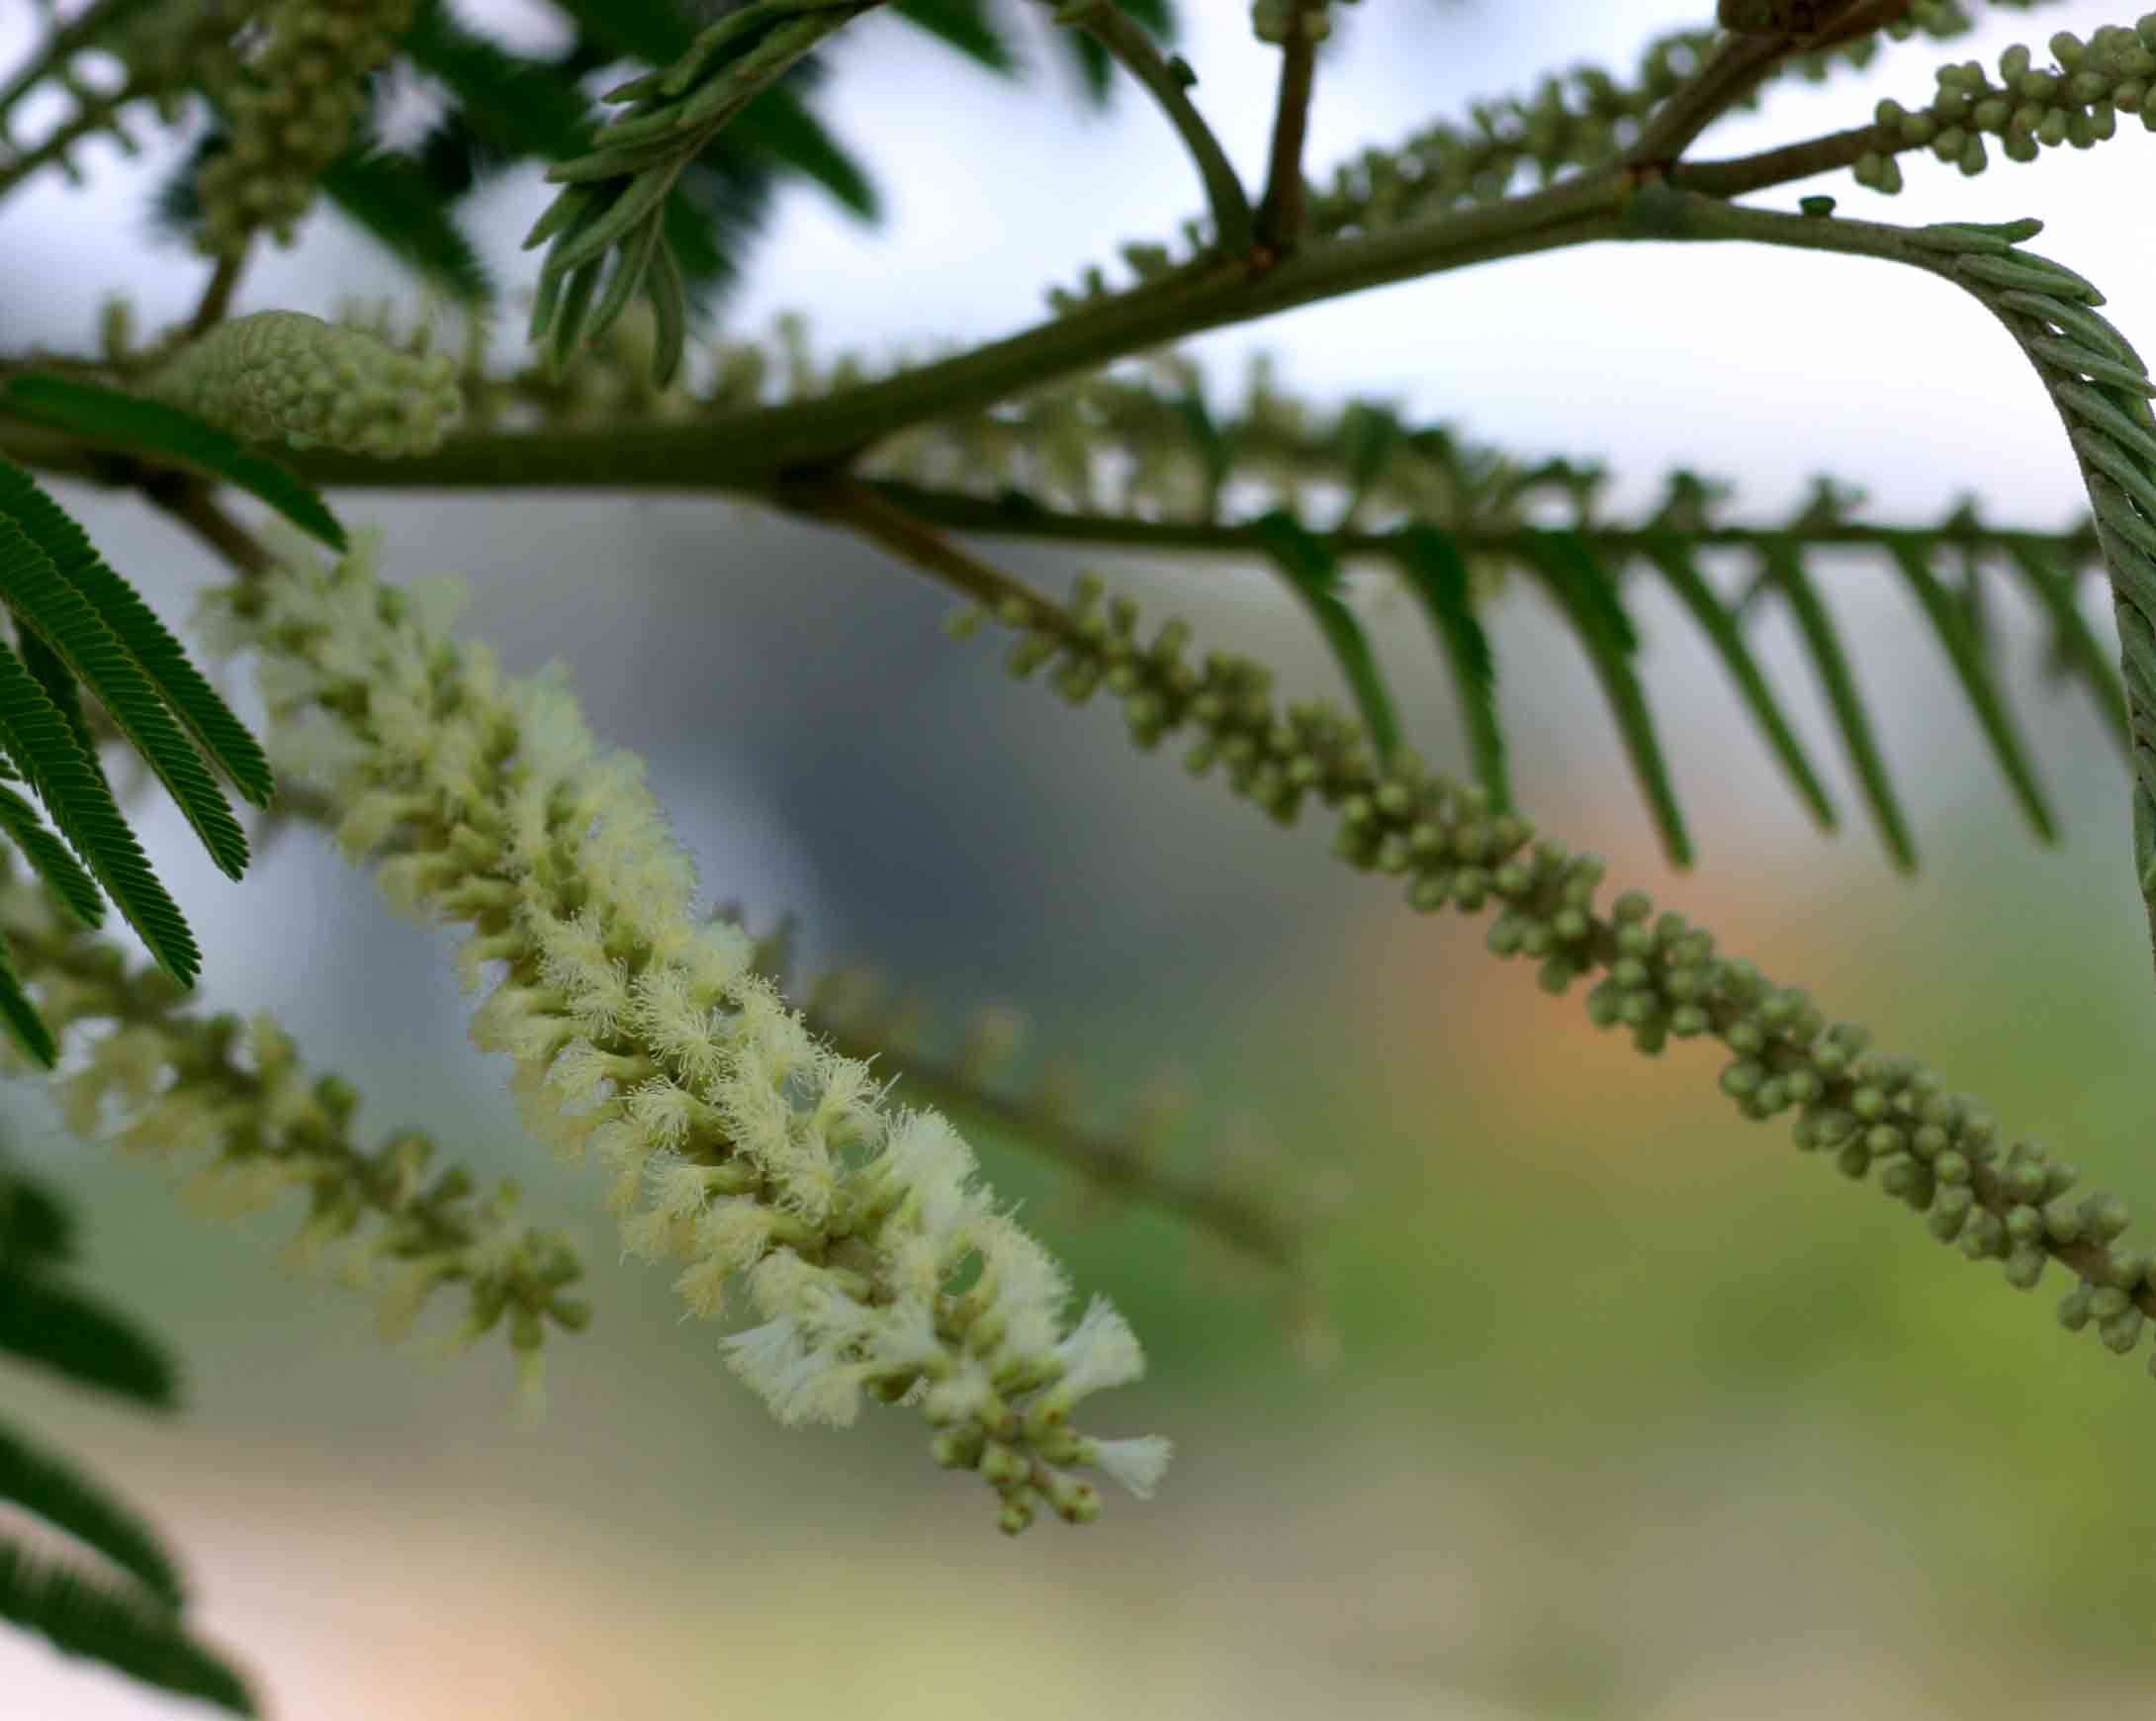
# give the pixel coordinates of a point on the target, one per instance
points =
(1168, 82)
(751, 449)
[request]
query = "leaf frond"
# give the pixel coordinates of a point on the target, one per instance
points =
(83, 1341)
(73, 601)
(56, 1489)
(81, 1617)
(1313, 576)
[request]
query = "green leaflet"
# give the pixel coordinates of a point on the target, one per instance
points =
(1950, 622)
(1787, 576)
(36, 739)
(114, 420)
(55, 595)
(50, 857)
(966, 26)
(82, 1339)
(83, 1618)
(1670, 557)
(2077, 643)
(1437, 575)
(49, 1486)
(1310, 570)
(393, 199)
(1585, 592)
(36, 1231)
(23, 1021)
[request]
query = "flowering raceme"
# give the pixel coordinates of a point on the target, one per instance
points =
(740, 1145)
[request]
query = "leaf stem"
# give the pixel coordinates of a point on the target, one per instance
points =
(1169, 80)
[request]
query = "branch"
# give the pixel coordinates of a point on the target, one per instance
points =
(1169, 81)
(1282, 213)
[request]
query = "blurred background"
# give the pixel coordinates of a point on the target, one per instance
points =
(1628, 1409)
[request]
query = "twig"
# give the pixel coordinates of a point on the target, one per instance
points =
(1282, 213)
(1169, 82)
(217, 297)
(194, 504)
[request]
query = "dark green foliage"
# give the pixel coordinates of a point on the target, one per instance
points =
(127, 1616)
(1672, 558)
(81, 1340)
(83, 1618)
(73, 601)
(1314, 576)
(392, 199)
(1431, 564)
(35, 1229)
(49, 859)
(22, 1017)
(108, 419)
(1585, 592)
(39, 742)
(967, 26)
(1787, 577)
(57, 1490)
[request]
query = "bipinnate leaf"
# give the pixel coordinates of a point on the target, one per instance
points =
(1950, 621)
(1574, 576)
(1437, 575)
(110, 419)
(49, 1486)
(1786, 574)
(65, 596)
(38, 741)
(1314, 577)
(81, 1617)
(1672, 560)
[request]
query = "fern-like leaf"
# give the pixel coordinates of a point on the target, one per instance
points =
(78, 607)
(49, 1486)
(1574, 576)
(83, 1341)
(1437, 576)
(50, 857)
(1314, 577)
(1786, 574)
(1950, 621)
(108, 419)
(83, 1618)
(36, 737)
(1672, 560)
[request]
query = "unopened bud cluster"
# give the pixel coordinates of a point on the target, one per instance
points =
(1662, 977)
(2076, 101)
(1279, 21)
(284, 376)
(293, 110)
(166, 1081)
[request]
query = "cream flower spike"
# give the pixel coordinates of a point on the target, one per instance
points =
(738, 1143)
(285, 374)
